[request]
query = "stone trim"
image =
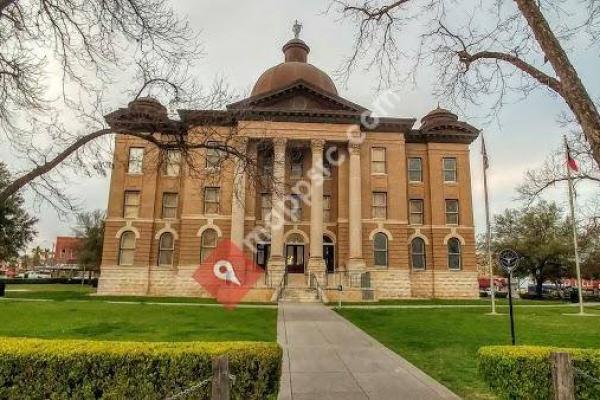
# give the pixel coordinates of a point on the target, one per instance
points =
(418, 234)
(165, 229)
(126, 228)
(381, 230)
(298, 231)
(209, 226)
(456, 235)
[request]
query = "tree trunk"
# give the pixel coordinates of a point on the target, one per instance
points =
(539, 287)
(572, 89)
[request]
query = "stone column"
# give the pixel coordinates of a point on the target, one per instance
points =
(356, 261)
(316, 264)
(276, 265)
(238, 202)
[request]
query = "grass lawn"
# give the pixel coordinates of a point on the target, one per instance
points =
(482, 302)
(65, 316)
(444, 342)
(78, 292)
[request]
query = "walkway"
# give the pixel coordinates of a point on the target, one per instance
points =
(328, 358)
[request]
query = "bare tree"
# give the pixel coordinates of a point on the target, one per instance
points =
(483, 48)
(65, 63)
(553, 171)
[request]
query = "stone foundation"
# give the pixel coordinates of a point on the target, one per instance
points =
(162, 282)
(388, 284)
(391, 284)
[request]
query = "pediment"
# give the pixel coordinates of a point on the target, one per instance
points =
(300, 96)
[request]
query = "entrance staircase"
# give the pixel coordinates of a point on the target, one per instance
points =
(297, 291)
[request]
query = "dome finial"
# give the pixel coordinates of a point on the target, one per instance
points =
(297, 28)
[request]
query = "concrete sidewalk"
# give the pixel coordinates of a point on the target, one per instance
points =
(327, 358)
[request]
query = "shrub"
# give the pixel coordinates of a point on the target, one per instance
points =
(525, 371)
(78, 369)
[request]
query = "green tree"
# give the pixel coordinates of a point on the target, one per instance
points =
(36, 256)
(16, 226)
(542, 236)
(90, 227)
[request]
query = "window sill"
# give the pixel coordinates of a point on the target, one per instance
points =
(379, 173)
(419, 270)
(134, 173)
(451, 183)
(454, 270)
(416, 183)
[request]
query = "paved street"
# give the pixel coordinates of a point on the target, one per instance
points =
(328, 358)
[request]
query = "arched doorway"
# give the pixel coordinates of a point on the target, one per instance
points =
(329, 253)
(294, 253)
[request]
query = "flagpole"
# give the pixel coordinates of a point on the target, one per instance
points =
(488, 225)
(574, 228)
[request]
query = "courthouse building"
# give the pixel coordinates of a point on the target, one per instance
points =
(389, 215)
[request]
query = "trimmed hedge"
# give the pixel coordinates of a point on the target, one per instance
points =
(525, 372)
(79, 369)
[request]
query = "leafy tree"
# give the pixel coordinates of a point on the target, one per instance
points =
(543, 238)
(16, 226)
(36, 256)
(90, 227)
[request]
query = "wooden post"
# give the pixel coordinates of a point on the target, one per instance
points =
(220, 378)
(563, 380)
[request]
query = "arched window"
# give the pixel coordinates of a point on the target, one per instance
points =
(127, 248)
(208, 242)
(380, 249)
(454, 259)
(295, 238)
(166, 247)
(417, 253)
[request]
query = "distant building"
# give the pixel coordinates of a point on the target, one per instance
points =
(66, 249)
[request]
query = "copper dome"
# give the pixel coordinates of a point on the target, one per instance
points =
(294, 68)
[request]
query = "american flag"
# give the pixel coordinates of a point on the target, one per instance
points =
(486, 160)
(571, 163)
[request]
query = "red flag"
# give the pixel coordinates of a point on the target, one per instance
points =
(571, 163)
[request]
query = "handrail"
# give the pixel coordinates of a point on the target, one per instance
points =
(280, 286)
(313, 280)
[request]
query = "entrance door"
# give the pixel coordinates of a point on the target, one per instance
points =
(294, 258)
(329, 254)
(263, 250)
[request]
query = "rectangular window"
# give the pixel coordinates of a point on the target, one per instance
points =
(295, 207)
(265, 206)
(213, 156)
(169, 205)
(330, 158)
(172, 162)
(379, 205)
(131, 204)
(326, 208)
(136, 160)
(452, 212)
(416, 211)
(450, 169)
(378, 160)
(415, 169)
(296, 165)
(211, 200)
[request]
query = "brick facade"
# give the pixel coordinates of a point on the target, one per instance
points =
(333, 122)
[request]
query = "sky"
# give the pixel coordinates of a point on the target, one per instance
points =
(242, 39)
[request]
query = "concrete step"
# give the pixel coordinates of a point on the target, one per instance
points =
(299, 295)
(296, 281)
